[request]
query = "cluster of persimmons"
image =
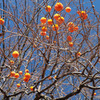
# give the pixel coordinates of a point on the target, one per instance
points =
(60, 20)
(55, 27)
(13, 74)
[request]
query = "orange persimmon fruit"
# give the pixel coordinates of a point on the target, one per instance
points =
(1, 21)
(11, 62)
(75, 28)
(78, 12)
(42, 33)
(54, 42)
(31, 88)
(67, 9)
(58, 6)
(43, 20)
(48, 8)
(26, 70)
(55, 77)
(69, 38)
(16, 75)
(70, 24)
(61, 20)
(27, 75)
(70, 29)
(85, 17)
(50, 21)
(18, 85)
(56, 16)
(55, 27)
(94, 94)
(15, 54)
(49, 77)
(12, 73)
(25, 79)
(70, 44)
(79, 53)
(82, 14)
(44, 29)
(20, 72)
(47, 37)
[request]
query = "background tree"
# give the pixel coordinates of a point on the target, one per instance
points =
(49, 52)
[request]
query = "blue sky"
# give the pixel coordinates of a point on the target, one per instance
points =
(97, 5)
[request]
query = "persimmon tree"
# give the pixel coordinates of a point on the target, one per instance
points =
(50, 50)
